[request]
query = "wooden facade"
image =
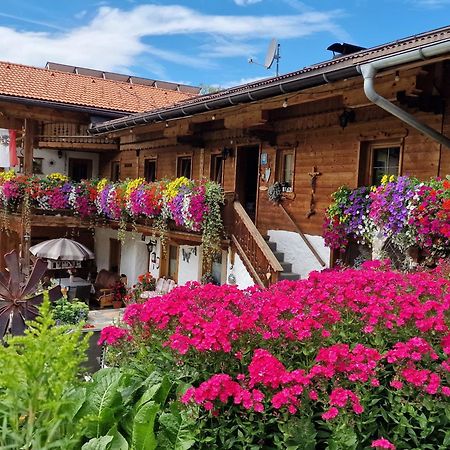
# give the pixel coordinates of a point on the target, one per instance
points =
(307, 126)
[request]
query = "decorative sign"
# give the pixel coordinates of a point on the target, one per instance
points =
(263, 159)
(51, 264)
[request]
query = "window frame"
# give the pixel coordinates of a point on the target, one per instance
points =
(370, 149)
(148, 160)
(280, 172)
(115, 164)
(213, 167)
(180, 158)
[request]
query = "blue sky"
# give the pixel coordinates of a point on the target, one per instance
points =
(202, 41)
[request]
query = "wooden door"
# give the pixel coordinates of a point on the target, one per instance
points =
(114, 255)
(247, 179)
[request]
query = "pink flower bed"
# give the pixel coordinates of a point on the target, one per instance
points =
(333, 341)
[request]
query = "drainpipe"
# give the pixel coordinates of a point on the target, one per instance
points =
(370, 70)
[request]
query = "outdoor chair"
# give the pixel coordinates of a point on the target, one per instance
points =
(105, 282)
(163, 286)
(106, 299)
(83, 293)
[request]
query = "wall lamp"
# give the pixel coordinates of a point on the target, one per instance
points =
(151, 246)
(348, 116)
(226, 152)
(60, 154)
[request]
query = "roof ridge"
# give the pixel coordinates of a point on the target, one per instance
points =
(116, 82)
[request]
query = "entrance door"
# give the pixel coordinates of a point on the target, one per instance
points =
(247, 164)
(80, 169)
(114, 255)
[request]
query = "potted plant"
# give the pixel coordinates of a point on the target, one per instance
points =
(120, 292)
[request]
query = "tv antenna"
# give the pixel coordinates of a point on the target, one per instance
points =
(273, 54)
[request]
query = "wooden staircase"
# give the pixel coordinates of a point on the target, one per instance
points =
(246, 240)
(287, 273)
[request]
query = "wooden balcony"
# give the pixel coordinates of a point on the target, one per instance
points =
(73, 136)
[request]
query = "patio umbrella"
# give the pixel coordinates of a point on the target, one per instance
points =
(62, 249)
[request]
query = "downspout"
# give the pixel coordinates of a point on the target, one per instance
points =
(370, 70)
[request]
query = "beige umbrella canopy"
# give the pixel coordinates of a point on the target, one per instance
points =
(62, 249)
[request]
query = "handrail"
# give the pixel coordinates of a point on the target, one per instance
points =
(247, 261)
(262, 244)
(302, 235)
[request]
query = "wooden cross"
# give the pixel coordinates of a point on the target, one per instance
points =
(312, 204)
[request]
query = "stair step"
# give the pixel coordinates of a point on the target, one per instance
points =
(287, 267)
(289, 276)
(279, 256)
(272, 245)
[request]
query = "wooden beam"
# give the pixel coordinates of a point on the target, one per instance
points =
(23, 111)
(79, 146)
(30, 127)
(10, 123)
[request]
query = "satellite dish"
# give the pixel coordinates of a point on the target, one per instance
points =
(271, 53)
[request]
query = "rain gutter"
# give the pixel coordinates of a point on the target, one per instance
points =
(252, 94)
(369, 72)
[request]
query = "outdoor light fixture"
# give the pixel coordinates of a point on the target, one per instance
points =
(151, 246)
(226, 152)
(60, 154)
(348, 116)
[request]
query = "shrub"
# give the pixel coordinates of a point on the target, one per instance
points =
(342, 360)
(67, 312)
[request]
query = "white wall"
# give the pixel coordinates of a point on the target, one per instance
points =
(188, 270)
(134, 254)
(243, 278)
(296, 252)
(61, 165)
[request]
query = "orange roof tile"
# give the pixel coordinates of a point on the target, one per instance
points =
(17, 80)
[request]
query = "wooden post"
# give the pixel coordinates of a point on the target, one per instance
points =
(25, 239)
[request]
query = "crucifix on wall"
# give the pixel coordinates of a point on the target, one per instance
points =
(312, 204)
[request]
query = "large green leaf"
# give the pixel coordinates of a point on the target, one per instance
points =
(103, 401)
(175, 430)
(143, 435)
(118, 442)
(298, 433)
(101, 443)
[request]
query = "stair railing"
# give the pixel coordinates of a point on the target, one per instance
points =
(252, 248)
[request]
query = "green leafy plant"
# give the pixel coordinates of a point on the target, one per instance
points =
(67, 312)
(39, 385)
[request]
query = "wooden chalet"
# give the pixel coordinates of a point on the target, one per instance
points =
(51, 109)
(344, 121)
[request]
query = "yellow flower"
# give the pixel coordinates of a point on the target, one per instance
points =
(373, 188)
(7, 175)
(174, 186)
(56, 176)
(384, 179)
(101, 184)
(132, 185)
(392, 178)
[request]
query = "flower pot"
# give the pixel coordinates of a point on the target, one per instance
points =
(117, 304)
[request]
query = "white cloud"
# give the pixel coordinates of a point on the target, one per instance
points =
(80, 14)
(246, 2)
(114, 38)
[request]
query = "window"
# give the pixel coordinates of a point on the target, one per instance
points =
(172, 272)
(385, 161)
(216, 168)
(286, 169)
(115, 171)
(378, 159)
(184, 166)
(80, 169)
(150, 170)
(37, 165)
